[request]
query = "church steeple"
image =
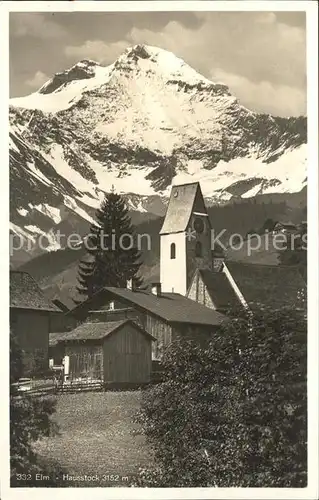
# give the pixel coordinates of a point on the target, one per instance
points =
(185, 238)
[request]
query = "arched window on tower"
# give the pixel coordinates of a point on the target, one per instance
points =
(198, 249)
(173, 251)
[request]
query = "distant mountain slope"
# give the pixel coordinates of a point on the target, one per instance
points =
(143, 123)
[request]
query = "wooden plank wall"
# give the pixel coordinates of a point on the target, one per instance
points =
(161, 331)
(86, 360)
(127, 357)
(32, 331)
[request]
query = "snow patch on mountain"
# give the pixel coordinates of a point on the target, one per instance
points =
(33, 170)
(63, 97)
(20, 232)
(226, 174)
(57, 160)
(48, 241)
(51, 212)
(22, 211)
(71, 203)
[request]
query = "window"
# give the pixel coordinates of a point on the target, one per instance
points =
(199, 225)
(173, 251)
(198, 249)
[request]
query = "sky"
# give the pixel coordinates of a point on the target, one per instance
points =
(261, 56)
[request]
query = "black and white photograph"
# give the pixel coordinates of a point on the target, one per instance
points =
(160, 164)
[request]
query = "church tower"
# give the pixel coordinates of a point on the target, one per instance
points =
(185, 238)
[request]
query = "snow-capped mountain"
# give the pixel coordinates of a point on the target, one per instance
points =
(143, 123)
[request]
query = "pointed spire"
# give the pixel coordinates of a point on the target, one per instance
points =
(112, 188)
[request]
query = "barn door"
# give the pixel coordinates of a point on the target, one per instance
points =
(86, 364)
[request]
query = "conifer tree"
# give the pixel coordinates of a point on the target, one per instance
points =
(113, 257)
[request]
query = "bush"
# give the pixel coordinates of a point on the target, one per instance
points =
(235, 413)
(30, 419)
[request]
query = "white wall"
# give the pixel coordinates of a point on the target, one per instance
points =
(173, 271)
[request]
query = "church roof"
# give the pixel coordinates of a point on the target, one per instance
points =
(220, 290)
(25, 293)
(180, 207)
(267, 285)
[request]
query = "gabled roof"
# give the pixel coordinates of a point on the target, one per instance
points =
(94, 331)
(266, 285)
(180, 207)
(25, 293)
(171, 307)
(219, 288)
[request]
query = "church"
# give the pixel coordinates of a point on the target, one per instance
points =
(190, 266)
(185, 238)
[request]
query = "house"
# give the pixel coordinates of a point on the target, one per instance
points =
(165, 316)
(115, 352)
(244, 285)
(30, 321)
(58, 318)
(285, 228)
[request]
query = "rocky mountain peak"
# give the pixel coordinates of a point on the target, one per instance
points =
(141, 51)
(83, 70)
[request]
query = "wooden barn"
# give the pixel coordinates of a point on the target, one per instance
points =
(115, 352)
(30, 319)
(165, 316)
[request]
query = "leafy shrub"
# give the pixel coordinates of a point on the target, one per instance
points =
(30, 419)
(235, 413)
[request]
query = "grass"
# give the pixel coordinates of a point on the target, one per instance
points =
(97, 438)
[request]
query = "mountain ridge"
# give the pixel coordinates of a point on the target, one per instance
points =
(143, 123)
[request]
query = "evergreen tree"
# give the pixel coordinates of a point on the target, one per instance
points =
(268, 225)
(113, 257)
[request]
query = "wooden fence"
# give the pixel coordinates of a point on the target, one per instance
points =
(58, 383)
(35, 387)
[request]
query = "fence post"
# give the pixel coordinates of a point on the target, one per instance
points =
(66, 367)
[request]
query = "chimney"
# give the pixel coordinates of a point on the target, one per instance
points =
(157, 289)
(132, 284)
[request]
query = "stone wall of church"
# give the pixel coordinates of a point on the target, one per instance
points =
(198, 292)
(201, 241)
